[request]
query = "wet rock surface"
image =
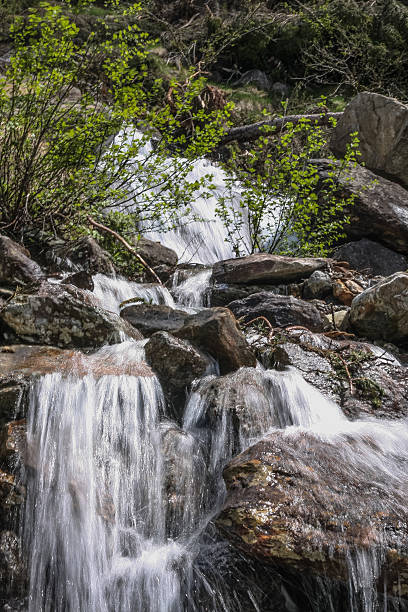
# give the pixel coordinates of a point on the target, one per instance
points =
(364, 379)
(216, 331)
(151, 318)
(177, 363)
(16, 265)
(266, 268)
(294, 502)
(381, 312)
(63, 316)
(279, 310)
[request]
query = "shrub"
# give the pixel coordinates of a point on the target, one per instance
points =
(285, 207)
(55, 166)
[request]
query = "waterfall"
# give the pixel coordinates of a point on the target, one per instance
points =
(202, 236)
(111, 292)
(120, 499)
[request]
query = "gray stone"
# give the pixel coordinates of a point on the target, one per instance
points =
(177, 363)
(382, 126)
(371, 257)
(16, 266)
(222, 295)
(151, 318)
(63, 316)
(266, 268)
(279, 310)
(160, 258)
(381, 312)
(255, 77)
(216, 331)
(318, 285)
(380, 208)
(84, 254)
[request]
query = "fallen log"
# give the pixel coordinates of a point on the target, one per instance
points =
(254, 130)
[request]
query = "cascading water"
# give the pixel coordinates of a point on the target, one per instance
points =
(202, 237)
(111, 292)
(120, 499)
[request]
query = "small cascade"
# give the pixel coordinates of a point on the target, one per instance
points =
(111, 292)
(203, 238)
(193, 292)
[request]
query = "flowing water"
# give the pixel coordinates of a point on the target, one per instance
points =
(120, 498)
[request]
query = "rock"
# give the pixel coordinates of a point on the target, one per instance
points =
(295, 502)
(182, 477)
(258, 78)
(381, 312)
(379, 381)
(162, 259)
(371, 258)
(63, 316)
(266, 268)
(13, 442)
(177, 363)
(318, 285)
(13, 392)
(382, 126)
(216, 331)
(346, 290)
(16, 266)
(280, 89)
(150, 318)
(81, 279)
(280, 310)
(23, 363)
(84, 254)
(380, 209)
(12, 496)
(222, 295)
(13, 576)
(240, 406)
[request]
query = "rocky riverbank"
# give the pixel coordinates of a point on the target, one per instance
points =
(342, 322)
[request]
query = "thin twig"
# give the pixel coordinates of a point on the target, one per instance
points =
(118, 237)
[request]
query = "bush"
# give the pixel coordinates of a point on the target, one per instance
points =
(62, 99)
(284, 202)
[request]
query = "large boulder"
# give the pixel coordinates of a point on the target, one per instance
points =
(62, 316)
(84, 254)
(266, 268)
(16, 266)
(295, 501)
(151, 318)
(381, 312)
(238, 407)
(382, 126)
(279, 310)
(160, 258)
(222, 294)
(371, 257)
(380, 208)
(177, 363)
(216, 331)
(362, 378)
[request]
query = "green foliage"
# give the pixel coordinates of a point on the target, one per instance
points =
(290, 209)
(55, 170)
